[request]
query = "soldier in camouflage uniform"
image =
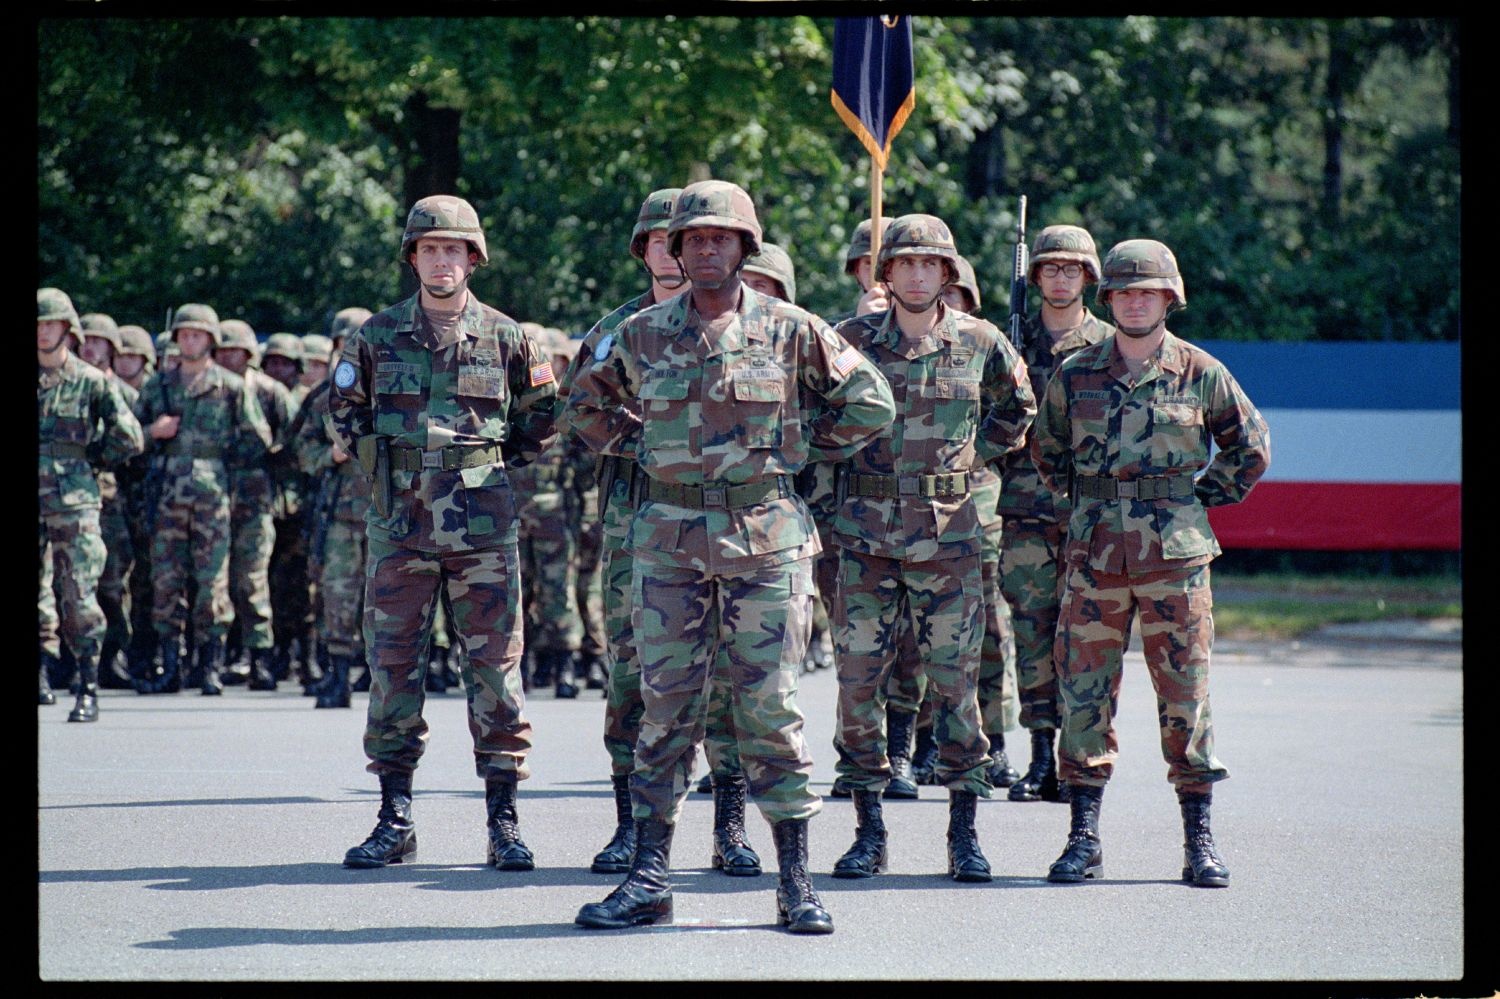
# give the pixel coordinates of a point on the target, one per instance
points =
(82, 422)
(134, 363)
(549, 552)
(101, 342)
(316, 350)
(618, 485)
(1063, 264)
(340, 499)
(998, 705)
(205, 424)
(706, 392)
(910, 536)
(1126, 426)
(252, 527)
(436, 396)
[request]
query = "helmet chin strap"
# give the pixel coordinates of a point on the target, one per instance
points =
(1136, 332)
(1059, 306)
(671, 282)
(915, 310)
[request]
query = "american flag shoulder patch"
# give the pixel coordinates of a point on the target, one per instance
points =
(847, 361)
(541, 374)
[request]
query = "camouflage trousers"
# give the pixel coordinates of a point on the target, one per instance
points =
(624, 707)
(549, 576)
(589, 590)
(1030, 578)
(1177, 631)
(402, 590)
(114, 592)
(292, 599)
(191, 543)
(941, 603)
(252, 537)
(760, 621)
(71, 556)
(339, 571)
(998, 704)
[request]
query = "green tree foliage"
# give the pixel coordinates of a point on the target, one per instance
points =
(1305, 171)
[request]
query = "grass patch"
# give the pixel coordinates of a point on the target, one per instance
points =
(1287, 606)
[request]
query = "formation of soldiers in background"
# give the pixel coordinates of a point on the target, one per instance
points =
(225, 537)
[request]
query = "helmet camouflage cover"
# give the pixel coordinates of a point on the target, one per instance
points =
(967, 281)
(238, 334)
(917, 235)
(1065, 244)
(656, 213)
(199, 317)
(444, 216)
(716, 203)
(774, 263)
(316, 347)
(54, 304)
(348, 321)
(1141, 263)
(135, 340)
(102, 326)
(859, 243)
(287, 345)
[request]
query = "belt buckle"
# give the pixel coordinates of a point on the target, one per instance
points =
(432, 459)
(908, 485)
(1127, 490)
(714, 496)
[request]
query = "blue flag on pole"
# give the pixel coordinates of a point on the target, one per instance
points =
(873, 88)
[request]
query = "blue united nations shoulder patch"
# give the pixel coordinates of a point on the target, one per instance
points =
(344, 375)
(602, 350)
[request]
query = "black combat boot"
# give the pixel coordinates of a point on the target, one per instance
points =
(86, 708)
(437, 670)
(261, 677)
(924, 759)
(867, 857)
(541, 669)
(591, 667)
(898, 748)
(1200, 860)
(1000, 772)
(841, 788)
(706, 785)
(798, 907)
(733, 853)
(44, 694)
(1083, 857)
(394, 838)
(965, 860)
(506, 851)
(281, 658)
(234, 671)
(617, 853)
(309, 657)
(564, 687)
(335, 690)
(112, 672)
(167, 678)
(210, 662)
(1040, 781)
(645, 896)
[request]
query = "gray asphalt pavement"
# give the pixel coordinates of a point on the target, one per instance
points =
(183, 837)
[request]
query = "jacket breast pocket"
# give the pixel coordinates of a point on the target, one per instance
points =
(664, 412)
(1176, 434)
(398, 397)
(955, 410)
(760, 397)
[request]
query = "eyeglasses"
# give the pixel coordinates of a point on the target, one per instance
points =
(1066, 270)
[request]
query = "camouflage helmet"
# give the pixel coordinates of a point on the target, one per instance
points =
(134, 340)
(102, 326)
(1065, 244)
(237, 334)
(54, 304)
(1141, 263)
(917, 235)
(656, 213)
(859, 244)
(968, 282)
(197, 316)
(285, 345)
(715, 203)
(347, 321)
(774, 263)
(444, 216)
(316, 347)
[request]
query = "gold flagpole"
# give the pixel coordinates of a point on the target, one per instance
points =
(876, 179)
